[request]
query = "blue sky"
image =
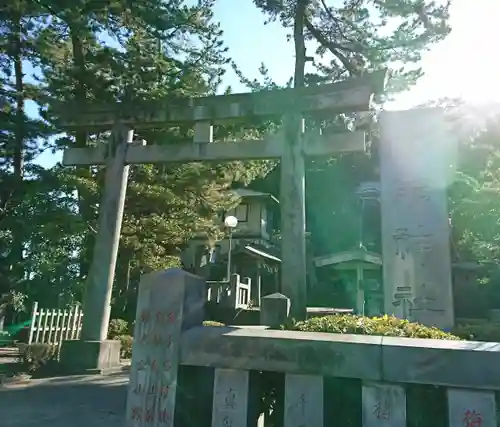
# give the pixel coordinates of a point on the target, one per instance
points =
(464, 65)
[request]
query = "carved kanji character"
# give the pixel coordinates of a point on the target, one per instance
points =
(160, 316)
(164, 416)
(171, 317)
(145, 316)
(164, 391)
(138, 389)
(136, 413)
(149, 415)
(472, 419)
(382, 410)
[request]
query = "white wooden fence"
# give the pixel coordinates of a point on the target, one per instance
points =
(235, 293)
(53, 326)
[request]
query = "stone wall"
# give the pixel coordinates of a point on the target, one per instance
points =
(185, 374)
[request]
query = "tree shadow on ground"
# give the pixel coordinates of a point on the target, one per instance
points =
(79, 401)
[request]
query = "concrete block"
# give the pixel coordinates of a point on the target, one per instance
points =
(274, 310)
(347, 356)
(88, 357)
(441, 362)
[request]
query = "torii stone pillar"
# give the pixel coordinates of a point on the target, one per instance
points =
(93, 351)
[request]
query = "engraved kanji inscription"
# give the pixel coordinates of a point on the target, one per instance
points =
(227, 421)
(149, 417)
(145, 316)
(403, 299)
(164, 416)
(164, 390)
(381, 410)
(472, 418)
(230, 399)
(136, 413)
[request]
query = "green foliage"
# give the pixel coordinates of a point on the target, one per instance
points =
(17, 301)
(350, 324)
(126, 346)
(481, 331)
(474, 194)
(385, 326)
(117, 327)
(21, 140)
(34, 356)
(349, 37)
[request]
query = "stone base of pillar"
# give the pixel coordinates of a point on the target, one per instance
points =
(90, 357)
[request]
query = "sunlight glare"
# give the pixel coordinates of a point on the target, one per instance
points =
(466, 64)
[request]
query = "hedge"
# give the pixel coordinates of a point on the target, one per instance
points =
(117, 328)
(384, 325)
(35, 356)
(482, 331)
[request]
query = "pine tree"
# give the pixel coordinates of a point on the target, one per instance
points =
(158, 51)
(19, 142)
(351, 37)
(337, 40)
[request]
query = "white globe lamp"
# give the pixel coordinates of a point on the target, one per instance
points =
(231, 222)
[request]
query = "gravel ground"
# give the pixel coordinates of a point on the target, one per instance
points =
(77, 401)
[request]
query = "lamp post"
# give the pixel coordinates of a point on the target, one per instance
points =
(230, 222)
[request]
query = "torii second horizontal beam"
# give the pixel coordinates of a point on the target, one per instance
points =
(270, 148)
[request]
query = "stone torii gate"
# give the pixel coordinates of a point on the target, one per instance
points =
(291, 146)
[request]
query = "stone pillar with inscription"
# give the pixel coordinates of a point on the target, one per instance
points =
(230, 399)
(471, 408)
(384, 405)
(303, 400)
(417, 150)
(169, 302)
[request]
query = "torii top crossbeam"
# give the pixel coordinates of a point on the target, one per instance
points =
(343, 97)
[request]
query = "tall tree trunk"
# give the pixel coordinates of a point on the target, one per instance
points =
(84, 198)
(294, 277)
(300, 47)
(16, 257)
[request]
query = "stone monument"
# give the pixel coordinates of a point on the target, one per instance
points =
(169, 302)
(416, 151)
